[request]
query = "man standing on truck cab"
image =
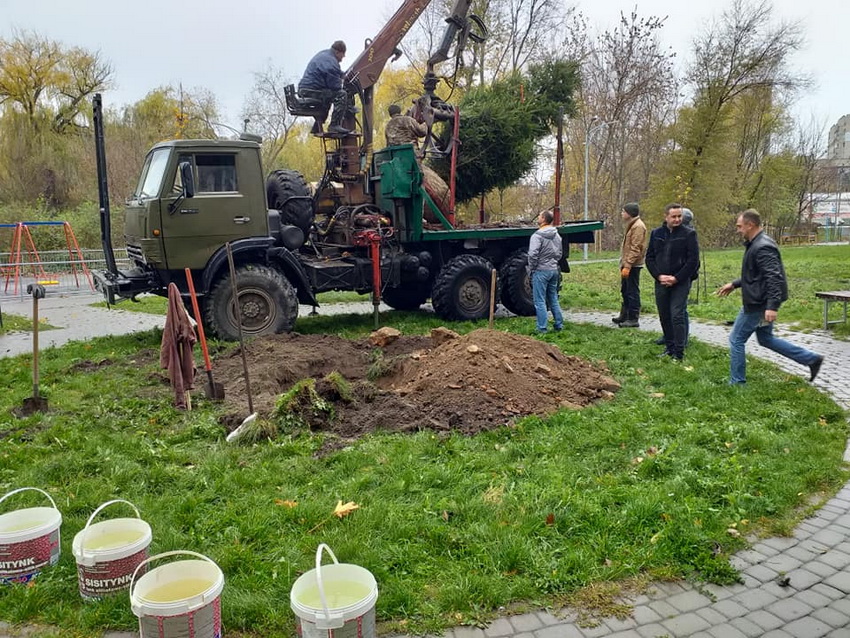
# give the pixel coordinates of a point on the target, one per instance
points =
(544, 253)
(323, 81)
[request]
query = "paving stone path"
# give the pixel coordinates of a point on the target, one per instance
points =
(816, 559)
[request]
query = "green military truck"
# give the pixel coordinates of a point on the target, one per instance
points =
(194, 196)
(360, 228)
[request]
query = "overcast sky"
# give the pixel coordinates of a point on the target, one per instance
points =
(218, 44)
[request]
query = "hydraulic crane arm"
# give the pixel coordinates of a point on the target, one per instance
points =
(368, 66)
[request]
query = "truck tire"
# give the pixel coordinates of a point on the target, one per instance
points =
(268, 304)
(409, 297)
(280, 187)
(462, 289)
(515, 284)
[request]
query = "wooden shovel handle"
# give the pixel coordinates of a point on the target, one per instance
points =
(196, 309)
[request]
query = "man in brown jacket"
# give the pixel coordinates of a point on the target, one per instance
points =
(632, 255)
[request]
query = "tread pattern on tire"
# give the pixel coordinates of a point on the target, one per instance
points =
(512, 275)
(286, 183)
(445, 287)
(216, 309)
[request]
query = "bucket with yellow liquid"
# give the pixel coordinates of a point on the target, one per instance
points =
(334, 601)
(29, 540)
(180, 599)
(108, 552)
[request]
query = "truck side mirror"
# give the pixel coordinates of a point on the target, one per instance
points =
(187, 177)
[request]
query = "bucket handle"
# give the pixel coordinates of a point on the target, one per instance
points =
(330, 623)
(176, 552)
(95, 513)
(24, 489)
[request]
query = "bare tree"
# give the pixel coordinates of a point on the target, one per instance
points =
(266, 108)
(629, 83)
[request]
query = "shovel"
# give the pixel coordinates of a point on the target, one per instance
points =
(212, 389)
(35, 403)
(237, 311)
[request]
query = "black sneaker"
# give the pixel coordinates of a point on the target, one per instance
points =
(815, 368)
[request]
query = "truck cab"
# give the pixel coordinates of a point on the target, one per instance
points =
(167, 230)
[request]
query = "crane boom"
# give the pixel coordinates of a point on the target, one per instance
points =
(368, 66)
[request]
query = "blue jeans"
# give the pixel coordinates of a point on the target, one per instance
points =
(746, 323)
(544, 285)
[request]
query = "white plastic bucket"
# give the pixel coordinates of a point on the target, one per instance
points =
(334, 601)
(178, 600)
(29, 540)
(108, 552)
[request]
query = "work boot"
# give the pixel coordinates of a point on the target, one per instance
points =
(660, 341)
(629, 323)
(338, 129)
(621, 317)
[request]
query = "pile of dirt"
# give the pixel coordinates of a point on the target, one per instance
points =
(446, 381)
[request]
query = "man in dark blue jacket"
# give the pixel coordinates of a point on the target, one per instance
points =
(323, 81)
(763, 289)
(673, 259)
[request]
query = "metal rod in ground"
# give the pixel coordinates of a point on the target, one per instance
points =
(238, 313)
(492, 296)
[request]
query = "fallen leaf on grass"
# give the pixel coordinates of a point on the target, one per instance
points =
(550, 520)
(341, 510)
(656, 395)
(282, 503)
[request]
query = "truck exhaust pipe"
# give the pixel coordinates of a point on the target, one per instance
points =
(102, 185)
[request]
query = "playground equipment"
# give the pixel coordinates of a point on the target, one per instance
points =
(24, 255)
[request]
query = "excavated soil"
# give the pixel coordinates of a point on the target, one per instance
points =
(446, 381)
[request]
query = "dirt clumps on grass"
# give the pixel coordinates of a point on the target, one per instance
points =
(445, 381)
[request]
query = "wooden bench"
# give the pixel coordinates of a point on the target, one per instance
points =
(835, 296)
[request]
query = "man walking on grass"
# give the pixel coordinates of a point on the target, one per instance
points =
(673, 260)
(763, 289)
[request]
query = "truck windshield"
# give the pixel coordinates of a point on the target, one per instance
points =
(152, 173)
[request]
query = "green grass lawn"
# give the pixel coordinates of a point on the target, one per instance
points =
(16, 323)
(452, 527)
(809, 269)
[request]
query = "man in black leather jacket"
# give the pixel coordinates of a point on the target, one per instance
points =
(673, 259)
(763, 289)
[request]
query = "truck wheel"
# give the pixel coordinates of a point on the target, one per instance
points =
(409, 297)
(515, 284)
(281, 186)
(267, 301)
(462, 289)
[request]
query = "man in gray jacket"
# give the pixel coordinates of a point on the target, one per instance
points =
(544, 253)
